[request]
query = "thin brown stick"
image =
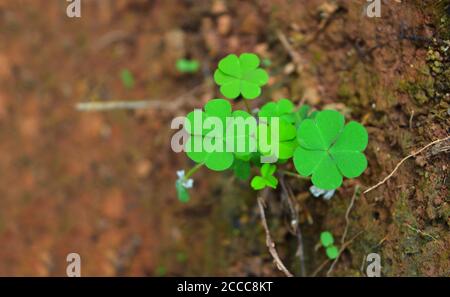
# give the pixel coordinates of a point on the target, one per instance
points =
(403, 160)
(170, 105)
(293, 174)
(323, 26)
(347, 213)
(319, 269)
(347, 223)
(287, 196)
(295, 56)
(269, 242)
(420, 232)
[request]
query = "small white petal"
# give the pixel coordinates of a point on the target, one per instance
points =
(180, 174)
(188, 184)
(326, 194)
(329, 194)
(316, 191)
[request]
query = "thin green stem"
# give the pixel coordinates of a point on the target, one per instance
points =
(193, 170)
(293, 174)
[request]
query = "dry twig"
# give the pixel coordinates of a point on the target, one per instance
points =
(403, 160)
(269, 242)
(347, 213)
(347, 223)
(295, 56)
(287, 196)
(171, 104)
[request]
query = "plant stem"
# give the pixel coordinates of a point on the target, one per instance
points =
(112, 105)
(193, 170)
(247, 106)
(293, 174)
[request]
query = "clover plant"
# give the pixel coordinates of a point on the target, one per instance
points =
(329, 150)
(127, 78)
(219, 109)
(266, 179)
(240, 76)
(187, 66)
(319, 143)
(327, 240)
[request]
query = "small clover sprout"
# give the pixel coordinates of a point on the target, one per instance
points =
(127, 78)
(266, 62)
(332, 252)
(181, 257)
(327, 240)
(240, 76)
(266, 179)
(329, 150)
(161, 270)
(187, 66)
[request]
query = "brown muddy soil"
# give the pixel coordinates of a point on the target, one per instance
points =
(102, 183)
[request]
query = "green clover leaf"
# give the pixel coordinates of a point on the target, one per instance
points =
(284, 109)
(289, 119)
(237, 76)
(127, 78)
(329, 150)
(187, 66)
(332, 252)
(276, 109)
(220, 159)
(266, 179)
(298, 116)
(326, 238)
(286, 139)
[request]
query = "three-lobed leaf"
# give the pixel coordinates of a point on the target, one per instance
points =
(266, 179)
(328, 150)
